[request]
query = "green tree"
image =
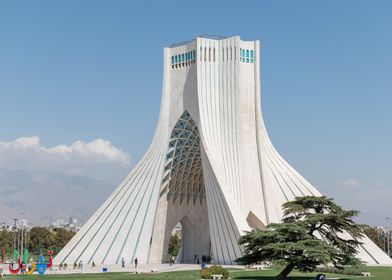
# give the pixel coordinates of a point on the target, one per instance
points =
(6, 240)
(40, 239)
(60, 238)
(375, 236)
(174, 245)
(295, 242)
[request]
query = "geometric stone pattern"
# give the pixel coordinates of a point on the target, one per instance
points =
(183, 177)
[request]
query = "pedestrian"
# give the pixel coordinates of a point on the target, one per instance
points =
(81, 266)
(122, 262)
(23, 268)
(136, 261)
(203, 261)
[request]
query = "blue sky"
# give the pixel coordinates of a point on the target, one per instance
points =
(87, 70)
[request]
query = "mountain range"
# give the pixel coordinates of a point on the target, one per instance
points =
(43, 197)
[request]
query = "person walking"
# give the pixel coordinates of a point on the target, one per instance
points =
(122, 262)
(81, 266)
(172, 260)
(136, 261)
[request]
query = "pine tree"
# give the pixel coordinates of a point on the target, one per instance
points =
(296, 242)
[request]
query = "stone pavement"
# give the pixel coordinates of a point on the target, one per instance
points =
(142, 268)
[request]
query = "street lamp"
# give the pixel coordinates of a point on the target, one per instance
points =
(15, 243)
(388, 236)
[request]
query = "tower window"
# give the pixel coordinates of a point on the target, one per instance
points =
(209, 54)
(200, 53)
(223, 54)
(214, 55)
(205, 54)
(245, 55)
(172, 60)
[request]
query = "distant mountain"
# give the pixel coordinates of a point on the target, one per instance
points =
(42, 197)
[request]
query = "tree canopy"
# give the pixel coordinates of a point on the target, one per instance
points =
(314, 231)
(6, 240)
(40, 239)
(174, 245)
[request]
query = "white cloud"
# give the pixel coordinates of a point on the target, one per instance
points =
(95, 150)
(23, 143)
(351, 183)
(79, 158)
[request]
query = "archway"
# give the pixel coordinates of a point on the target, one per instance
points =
(174, 251)
(183, 185)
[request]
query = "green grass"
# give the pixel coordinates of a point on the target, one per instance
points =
(378, 273)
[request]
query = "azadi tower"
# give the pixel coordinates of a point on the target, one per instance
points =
(211, 166)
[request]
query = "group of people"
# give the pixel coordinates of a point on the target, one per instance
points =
(204, 260)
(135, 261)
(23, 266)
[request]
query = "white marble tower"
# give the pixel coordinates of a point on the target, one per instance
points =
(210, 166)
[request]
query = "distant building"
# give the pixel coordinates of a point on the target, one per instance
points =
(6, 227)
(23, 223)
(71, 225)
(60, 222)
(73, 220)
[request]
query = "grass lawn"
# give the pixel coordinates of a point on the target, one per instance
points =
(378, 273)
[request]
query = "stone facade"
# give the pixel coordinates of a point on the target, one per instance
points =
(210, 166)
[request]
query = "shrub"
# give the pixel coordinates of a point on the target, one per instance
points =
(215, 269)
(65, 266)
(352, 271)
(60, 266)
(75, 265)
(205, 274)
(347, 270)
(93, 265)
